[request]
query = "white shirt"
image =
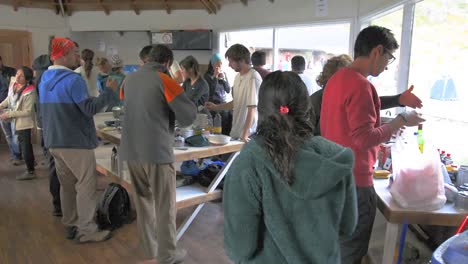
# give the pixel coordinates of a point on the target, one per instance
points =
(312, 87)
(91, 83)
(245, 93)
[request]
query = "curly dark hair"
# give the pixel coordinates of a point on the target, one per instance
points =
(333, 65)
(283, 133)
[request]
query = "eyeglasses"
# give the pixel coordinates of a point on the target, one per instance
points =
(391, 58)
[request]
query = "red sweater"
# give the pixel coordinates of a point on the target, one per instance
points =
(350, 116)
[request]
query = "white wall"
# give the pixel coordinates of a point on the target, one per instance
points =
(371, 6)
(42, 24)
(258, 13)
(147, 20)
(127, 45)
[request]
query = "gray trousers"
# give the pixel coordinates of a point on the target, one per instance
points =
(354, 248)
(155, 201)
(76, 170)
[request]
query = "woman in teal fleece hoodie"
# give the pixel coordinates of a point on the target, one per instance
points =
(289, 195)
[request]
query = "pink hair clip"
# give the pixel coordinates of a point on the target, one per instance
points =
(284, 110)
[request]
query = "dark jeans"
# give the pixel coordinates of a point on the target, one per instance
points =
(354, 248)
(54, 183)
(24, 138)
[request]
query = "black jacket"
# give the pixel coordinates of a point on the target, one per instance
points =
(5, 76)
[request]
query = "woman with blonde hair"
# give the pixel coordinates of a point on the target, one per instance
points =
(331, 66)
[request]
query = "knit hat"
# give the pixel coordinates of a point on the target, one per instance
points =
(215, 58)
(116, 61)
(60, 47)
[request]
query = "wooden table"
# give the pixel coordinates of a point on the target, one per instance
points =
(186, 195)
(397, 216)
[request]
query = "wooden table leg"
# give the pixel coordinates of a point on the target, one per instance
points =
(181, 230)
(391, 238)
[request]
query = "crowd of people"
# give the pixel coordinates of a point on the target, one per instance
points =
(300, 191)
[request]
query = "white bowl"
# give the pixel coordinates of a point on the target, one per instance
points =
(218, 139)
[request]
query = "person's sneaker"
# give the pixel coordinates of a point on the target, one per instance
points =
(29, 175)
(99, 236)
(70, 232)
(179, 256)
(57, 212)
(17, 162)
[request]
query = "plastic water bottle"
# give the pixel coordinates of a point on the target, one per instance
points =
(448, 159)
(217, 125)
(420, 138)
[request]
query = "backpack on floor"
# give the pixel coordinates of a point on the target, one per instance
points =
(113, 207)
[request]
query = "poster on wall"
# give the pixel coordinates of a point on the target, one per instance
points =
(162, 38)
(101, 45)
(321, 8)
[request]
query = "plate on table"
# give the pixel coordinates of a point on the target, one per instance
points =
(218, 140)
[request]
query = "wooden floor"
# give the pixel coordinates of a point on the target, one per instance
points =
(30, 234)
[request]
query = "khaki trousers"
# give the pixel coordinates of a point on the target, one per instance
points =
(155, 201)
(76, 170)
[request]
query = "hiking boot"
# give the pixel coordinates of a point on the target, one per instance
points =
(70, 232)
(98, 236)
(17, 162)
(26, 176)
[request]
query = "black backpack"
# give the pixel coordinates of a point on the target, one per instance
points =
(114, 207)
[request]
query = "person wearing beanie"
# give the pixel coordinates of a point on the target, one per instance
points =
(118, 75)
(21, 110)
(70, 135)
(219, 90)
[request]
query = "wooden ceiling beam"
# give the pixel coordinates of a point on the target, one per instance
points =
(214, 4)
(244, 2)
(16, 5)
(208, 7)
(68, 8)
(104, 7)
(135, 7)
(168, 7)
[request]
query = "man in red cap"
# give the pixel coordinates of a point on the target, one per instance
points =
(69, 133)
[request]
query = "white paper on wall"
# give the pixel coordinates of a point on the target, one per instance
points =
(321, 8)
(162, 38)
(101, 45)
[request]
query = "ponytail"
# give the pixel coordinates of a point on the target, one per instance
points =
(284, 122)
(87, 56)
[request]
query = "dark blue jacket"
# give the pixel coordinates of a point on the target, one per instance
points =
(67, 110)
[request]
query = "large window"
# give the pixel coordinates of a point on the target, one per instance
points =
(439, 55)
(254, 40)
(315, 43)
(387, 81)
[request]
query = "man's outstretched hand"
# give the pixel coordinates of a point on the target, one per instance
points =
(407, 98)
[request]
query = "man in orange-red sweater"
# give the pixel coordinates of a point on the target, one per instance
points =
(350, 117)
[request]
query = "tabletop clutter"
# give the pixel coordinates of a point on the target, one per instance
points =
(421, 176)
(204, 132)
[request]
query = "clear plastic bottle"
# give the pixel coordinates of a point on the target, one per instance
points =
(448, 159)
(217, 125)
(442, 156)
(420, 138)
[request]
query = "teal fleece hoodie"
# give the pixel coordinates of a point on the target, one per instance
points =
(268, 221)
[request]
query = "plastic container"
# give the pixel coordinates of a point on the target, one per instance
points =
(442, 156)
(452, 251)
(448, 160)
(217, 125)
